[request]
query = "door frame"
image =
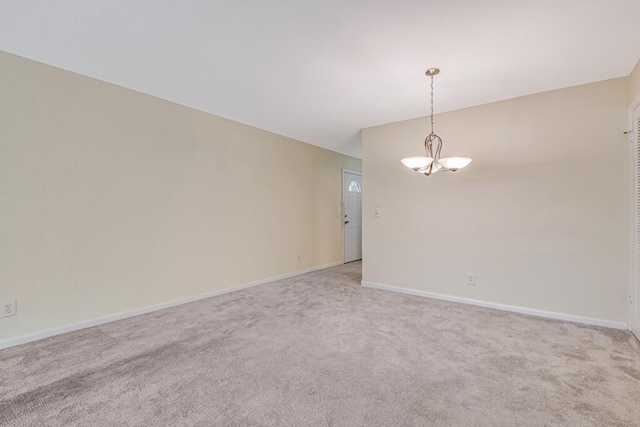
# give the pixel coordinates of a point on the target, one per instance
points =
(344, 240)
(632, 298)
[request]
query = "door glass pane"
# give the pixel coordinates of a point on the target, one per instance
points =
(354, 187)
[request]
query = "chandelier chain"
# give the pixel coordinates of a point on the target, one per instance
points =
(432, 103)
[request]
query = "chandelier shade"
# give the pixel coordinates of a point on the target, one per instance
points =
(417, 163)
(429, 170)
(454, 163)
(432, 163)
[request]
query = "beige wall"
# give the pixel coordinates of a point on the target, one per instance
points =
(112, 200)
(634, 84)
(540, 216)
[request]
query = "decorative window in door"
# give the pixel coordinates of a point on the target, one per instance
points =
(354, 187)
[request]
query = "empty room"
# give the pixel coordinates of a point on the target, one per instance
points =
(319, 213)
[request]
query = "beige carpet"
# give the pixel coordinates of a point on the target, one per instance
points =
(319, 350)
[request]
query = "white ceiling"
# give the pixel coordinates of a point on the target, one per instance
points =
(319, 71)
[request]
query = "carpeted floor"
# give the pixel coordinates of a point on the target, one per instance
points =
(319, 350)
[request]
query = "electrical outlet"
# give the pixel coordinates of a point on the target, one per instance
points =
(8, 308)
(471, 279)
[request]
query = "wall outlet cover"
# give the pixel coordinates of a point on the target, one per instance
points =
(8, 308)
(471, 279)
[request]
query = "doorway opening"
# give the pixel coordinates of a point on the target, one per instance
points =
(352, 211)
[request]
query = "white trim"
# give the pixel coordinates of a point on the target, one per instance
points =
(35, 336)
(632, 212)
(350, 171)
(497, 306)
(633, 215)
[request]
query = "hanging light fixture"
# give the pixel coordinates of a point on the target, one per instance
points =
(432, 163)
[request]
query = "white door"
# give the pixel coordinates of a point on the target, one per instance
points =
(352, 194)
(634, 306)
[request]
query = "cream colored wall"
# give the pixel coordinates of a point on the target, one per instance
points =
(634, 84)
(540, 216)
(112, 200)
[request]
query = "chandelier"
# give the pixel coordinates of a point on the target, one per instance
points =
(432, 162)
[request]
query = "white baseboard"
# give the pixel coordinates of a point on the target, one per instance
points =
(497, 306)
(23, 339)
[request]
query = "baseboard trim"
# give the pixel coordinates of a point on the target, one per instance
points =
(497, 306)
(35, 336)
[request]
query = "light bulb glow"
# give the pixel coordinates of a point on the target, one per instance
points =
(417, 163)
